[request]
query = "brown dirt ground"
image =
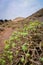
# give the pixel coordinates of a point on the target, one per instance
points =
(3, 36)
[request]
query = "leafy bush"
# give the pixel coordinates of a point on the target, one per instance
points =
(24, 46)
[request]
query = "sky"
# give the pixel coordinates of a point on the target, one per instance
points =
(10, 9)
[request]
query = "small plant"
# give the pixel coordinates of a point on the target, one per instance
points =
(11, 38)
(41, 59)
(24, 33)
(24, 47)
(13, 45)
(31, 64)
(16, 37)
(22, 59)
(17, 52)
(7, 46)
(27, 55)
(19, 64)
(33, 26)
(9, 52)
(2, 61)
(6, 42)
(10, 57)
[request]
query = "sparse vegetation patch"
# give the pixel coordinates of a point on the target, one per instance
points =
(25, 46)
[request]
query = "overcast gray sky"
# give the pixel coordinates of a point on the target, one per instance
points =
(10, 9)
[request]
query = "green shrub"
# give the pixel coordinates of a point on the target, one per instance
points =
(21, 42)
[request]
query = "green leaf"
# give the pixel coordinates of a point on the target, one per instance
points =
(13, 45)
(12, 38)
(10, 57)
(2, 61)
(28, 55)
(22, 59)
(9, 52)
(6, 42)
(24, 33)
(24, 47)
(17, 52)
(7, 46)
(41, 59)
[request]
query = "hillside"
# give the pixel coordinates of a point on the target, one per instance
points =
(21, 40)
(35, 16)
(18, 19)
(19, 22)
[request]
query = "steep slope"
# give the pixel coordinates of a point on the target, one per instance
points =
(18, 23)
(24, 47)
(36, 16)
